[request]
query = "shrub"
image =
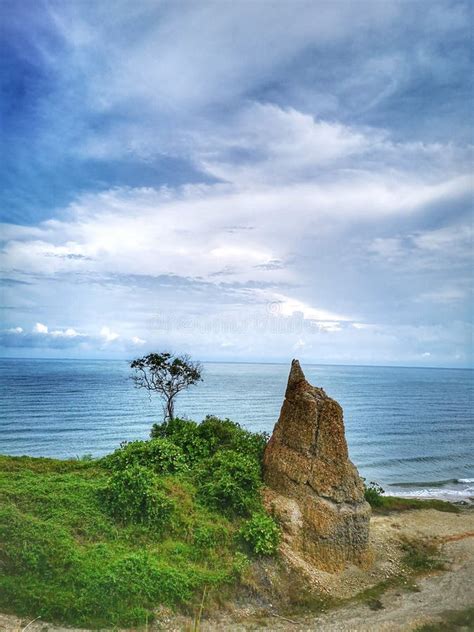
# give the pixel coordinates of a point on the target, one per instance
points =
(132, 495)
(373, 494)
(185, 434)
(161, 455)
(229, 481)
(394, 503)
(262, 534)
(200, 441)
(226, 434)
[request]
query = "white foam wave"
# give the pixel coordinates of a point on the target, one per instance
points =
(443, 494)
(465, 480)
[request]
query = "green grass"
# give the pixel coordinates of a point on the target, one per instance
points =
(375, 496)
(394, 503)
(422, 556)
(371, 596)
(73, 549)
(63, 558)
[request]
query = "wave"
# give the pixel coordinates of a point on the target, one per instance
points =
(431, 459)
(445, 494)
(447, 489)
(442, 483)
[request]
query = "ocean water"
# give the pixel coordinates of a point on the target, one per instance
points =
(409, 429)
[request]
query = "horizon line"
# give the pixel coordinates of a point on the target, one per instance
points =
(279, 363)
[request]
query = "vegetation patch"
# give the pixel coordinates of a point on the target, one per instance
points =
(375, 496)
(262, 534)
(394, 503)
(106, 542)
(451, 621)
(160, 455)
(133, 495)
(422, 556)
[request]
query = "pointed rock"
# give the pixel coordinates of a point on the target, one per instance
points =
(314, 488)
(296, 375)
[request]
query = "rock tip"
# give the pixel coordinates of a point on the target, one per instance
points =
(296, 373)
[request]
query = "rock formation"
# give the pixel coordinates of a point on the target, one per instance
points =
(312, 486)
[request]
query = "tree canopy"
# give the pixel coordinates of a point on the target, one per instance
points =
(167, 375)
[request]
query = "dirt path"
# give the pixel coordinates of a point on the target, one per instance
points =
(398, 610)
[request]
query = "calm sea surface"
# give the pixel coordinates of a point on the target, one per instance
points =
(409, 429)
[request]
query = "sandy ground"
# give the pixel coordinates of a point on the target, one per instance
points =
(398, 610)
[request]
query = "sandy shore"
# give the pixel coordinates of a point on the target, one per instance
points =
(395, 610)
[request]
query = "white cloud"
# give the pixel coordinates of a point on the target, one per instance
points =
(287, 306)
(108, 334)
(427, 249)
(297, 202)
(69, 332)
(15, 330)
(39, 328)
(269, 144)
(189, 231)
(198, 54)
(362, 326)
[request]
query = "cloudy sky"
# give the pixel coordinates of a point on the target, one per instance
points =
(237, 180)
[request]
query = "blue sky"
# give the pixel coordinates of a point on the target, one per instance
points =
(238, 181)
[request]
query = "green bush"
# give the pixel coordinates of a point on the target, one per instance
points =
(161, 455)
(132, 495)
(262, 534)
(373, 494)
(230, 481)
(226, 434)
(185, 434)
(201, 441)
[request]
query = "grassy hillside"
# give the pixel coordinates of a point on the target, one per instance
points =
(165, 522)
(104, 542)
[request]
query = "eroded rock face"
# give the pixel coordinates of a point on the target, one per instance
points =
(313, 488)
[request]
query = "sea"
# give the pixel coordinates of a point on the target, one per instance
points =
(408, 429)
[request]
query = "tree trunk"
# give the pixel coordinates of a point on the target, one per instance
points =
(169, 409)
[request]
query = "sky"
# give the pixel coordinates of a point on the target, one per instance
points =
(240, 181)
